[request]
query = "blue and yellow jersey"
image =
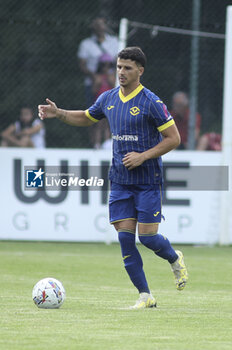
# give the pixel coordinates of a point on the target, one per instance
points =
(135, 122)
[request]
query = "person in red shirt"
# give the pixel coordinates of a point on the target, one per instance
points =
(104, 80)
(180, 113)
(210, 141)
(105, 76)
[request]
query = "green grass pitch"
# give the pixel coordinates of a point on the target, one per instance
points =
(95, 314)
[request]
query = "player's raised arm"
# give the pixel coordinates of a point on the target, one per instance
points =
(75, 118)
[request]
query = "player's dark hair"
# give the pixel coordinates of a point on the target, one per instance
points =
(133, 53)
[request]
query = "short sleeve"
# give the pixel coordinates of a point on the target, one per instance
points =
(82, 52)
(95, 112)
(37, 122)
(160, 115)
(17, 126)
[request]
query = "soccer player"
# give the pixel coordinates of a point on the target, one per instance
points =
(142, 131)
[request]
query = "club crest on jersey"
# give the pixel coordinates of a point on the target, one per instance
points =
(134, 110)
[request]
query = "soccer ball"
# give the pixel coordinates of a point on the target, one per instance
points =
(48, 293)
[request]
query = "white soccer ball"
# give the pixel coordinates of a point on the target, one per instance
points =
(48, 293)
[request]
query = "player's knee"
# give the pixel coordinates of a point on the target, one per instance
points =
(128, 225)
(147, 228)
(116, 226)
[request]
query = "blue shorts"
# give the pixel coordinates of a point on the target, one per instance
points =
(138, 202)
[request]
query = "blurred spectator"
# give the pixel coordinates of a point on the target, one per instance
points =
(90, 51)
(25, 132)
(210, 142)
(180, 113)
(104, 80)
(107, 144)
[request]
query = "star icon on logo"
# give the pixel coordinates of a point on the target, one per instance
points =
(38, 174)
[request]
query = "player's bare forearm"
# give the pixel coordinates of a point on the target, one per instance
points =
(165, 146)
(75, 118)
(171, 140)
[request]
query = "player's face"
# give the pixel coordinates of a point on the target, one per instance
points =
(128, 72)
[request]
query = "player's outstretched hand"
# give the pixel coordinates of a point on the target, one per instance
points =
(133, 159)
(48, 111)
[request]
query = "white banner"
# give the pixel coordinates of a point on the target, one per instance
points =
(191, 216)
